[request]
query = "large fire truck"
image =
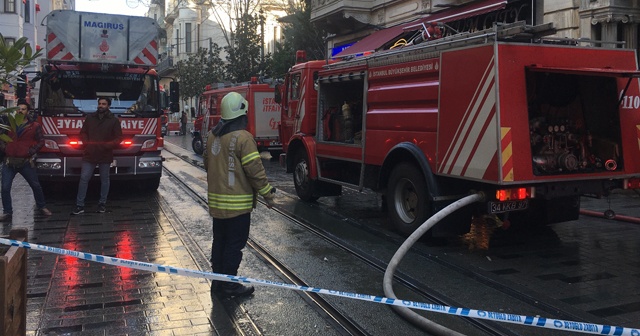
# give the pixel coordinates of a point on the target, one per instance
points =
(531, 122)
(91, 55)
(263, 113)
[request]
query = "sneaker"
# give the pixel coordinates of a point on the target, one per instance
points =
(235, 290)
(45, 212)
(78, 210)
(5, 217)
(101, 208)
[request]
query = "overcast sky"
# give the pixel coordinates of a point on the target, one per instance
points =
(111, 6)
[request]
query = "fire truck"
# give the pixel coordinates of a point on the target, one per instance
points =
(530, 121)
(263, 113)
(91, 55)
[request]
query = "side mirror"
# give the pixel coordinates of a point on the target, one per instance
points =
(277, 94)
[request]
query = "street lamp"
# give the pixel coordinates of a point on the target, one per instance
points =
(261, 35)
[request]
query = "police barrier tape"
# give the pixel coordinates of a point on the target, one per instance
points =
(533, 321)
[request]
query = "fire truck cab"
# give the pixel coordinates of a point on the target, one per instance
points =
(263, 114)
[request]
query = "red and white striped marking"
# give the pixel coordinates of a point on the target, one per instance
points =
(474, 144)
(148, 55)
(56, 49)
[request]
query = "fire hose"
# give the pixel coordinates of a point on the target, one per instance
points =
(387, 284)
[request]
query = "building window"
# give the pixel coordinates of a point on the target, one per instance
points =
(9, 6)
(27, 11)
(187, 37)
(9, 41)
(177, 41)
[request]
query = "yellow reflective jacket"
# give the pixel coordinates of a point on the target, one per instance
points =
(235, 174)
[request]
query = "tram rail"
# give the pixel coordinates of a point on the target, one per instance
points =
(546, 306)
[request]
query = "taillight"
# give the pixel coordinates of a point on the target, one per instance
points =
(632, 183)
(125, 143)
(75, 143)
(512, 194)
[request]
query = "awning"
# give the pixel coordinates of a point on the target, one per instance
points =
(374, 41)
(474, 9)
(378, 38)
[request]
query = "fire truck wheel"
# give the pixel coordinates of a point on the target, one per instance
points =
(197, 145)
(407, 198)
(150, 184)
(305, 186)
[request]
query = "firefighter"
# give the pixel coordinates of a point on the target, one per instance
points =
(235, 176)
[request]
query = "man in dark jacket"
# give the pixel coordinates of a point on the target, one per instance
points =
(101, 134)
(27, 139)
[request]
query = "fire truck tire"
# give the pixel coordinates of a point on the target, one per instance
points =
(150, 184)
(407, 198)
(197, 145)
(305, 187)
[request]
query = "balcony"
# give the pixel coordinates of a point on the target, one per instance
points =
(165, 66)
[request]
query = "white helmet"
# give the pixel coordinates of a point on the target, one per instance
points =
(233, 106)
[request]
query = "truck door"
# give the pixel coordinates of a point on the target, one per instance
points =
(288, 122)
(211, 117)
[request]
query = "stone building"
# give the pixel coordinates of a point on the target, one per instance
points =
(606, 20)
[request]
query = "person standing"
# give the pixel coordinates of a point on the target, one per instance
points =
(27, 139)
(235, 176)
(101, 134)
(183, 123)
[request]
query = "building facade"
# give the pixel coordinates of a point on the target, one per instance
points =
(22, 18)
(605, 20)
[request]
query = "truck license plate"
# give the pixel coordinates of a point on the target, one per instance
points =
(498, 207)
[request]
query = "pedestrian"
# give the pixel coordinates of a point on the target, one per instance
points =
(100, 134)
(26, 141)
(235, 176)
(183, 123)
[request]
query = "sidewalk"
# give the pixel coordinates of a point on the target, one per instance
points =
(72, 296)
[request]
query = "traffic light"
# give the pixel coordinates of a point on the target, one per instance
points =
(174, 97)
(21, 87)
(174, 92)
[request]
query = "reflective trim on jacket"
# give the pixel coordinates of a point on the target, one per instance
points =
(235, 174)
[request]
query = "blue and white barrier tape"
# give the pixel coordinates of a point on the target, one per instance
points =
(533, 321)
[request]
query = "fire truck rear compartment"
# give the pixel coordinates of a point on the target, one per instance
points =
(574, 123)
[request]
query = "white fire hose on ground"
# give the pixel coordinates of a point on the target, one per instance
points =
(387, 283)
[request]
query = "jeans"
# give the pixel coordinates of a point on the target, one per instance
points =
(229, 238)
(85, 176)
(30, 175)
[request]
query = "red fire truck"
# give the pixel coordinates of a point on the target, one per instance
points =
(264, 114)
(531, 123)
(92, 55)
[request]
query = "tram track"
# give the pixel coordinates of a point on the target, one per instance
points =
(326, 308)
(546, 306)
(335, 318)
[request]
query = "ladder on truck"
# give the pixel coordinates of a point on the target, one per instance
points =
(516, 32)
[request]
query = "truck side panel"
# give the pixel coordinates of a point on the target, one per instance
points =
(402, 106)
(104, 38)
(267, 114)
(468, 110)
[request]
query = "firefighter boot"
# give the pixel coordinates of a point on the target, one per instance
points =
(235, 289)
